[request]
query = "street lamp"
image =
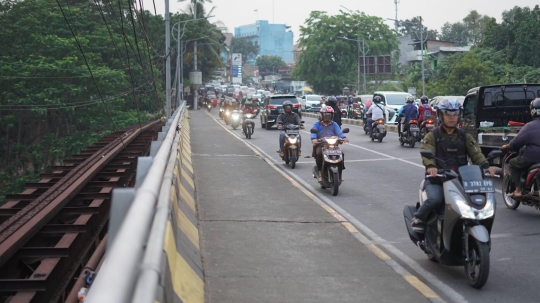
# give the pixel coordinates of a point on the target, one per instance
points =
(364, 52)
(358, 60)
(422, 41)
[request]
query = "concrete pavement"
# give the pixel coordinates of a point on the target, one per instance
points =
(264, 240)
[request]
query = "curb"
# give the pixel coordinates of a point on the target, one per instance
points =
(390, 128)
(184, 281)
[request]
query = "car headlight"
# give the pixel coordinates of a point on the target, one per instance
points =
(469, 212)
(331, 141)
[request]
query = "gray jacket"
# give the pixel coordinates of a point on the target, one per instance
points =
(529, 136)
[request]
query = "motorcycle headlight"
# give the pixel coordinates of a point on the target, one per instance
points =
(293, 140)
(235, 116)
(249, 116)
(227, 113)
(468, 212)
(331, 141)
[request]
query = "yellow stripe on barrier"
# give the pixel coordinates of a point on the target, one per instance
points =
(187, 285)
(186, 177)
(186, 196)
(186, 226)
(187, 164)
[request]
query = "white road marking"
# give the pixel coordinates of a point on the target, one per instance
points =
(447, 290)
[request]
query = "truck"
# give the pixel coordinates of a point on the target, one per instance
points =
(494, 114)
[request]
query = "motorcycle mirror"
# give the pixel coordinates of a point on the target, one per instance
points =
(313, 131)
(345, 130)
(427, 153)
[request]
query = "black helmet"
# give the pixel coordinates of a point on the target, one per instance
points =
(287, 103)
(535, 107)
(331, 101)
(377, 99)
(424, 100)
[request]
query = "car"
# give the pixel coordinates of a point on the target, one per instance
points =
(393, 101)
(311, 103)
(273, 106)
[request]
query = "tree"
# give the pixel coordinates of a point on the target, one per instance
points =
(455, 32)
(245, 47)
(475, 25)
(412, 28)
(269, 64)
(330, 63)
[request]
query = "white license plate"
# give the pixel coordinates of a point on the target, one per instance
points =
(414, 128)
(380, 126)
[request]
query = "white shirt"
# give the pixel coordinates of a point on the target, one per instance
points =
(377, 111)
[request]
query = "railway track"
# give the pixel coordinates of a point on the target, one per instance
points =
(51, 232)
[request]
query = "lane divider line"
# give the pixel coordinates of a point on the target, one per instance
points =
(337, 212)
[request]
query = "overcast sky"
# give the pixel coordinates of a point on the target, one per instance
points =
(234, 13)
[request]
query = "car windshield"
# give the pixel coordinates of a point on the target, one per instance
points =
(313, 98)
(395, 99)
(279, 101)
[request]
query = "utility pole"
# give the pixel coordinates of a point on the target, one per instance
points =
(364, 52)
(422, 46)
(396, 22)
(168, 61)
(180, 83)
(195, 43)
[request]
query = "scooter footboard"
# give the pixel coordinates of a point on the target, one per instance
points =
(408, 213)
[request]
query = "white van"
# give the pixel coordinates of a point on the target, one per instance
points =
(393, 100)
(311, 103)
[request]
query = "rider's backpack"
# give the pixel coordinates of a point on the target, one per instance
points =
(427, 112)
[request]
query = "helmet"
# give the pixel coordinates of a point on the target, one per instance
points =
(535, 107)
(409, 99)
(287, 104)
(326, 113)
(449, 106)
(377, 99)
(331, 101)
(424, 99)
(248, 103)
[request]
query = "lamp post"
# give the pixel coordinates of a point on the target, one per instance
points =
(364, 52)
(422, 41)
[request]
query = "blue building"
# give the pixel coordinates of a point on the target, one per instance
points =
(272, 39)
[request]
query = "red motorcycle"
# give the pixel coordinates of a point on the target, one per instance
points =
(530, 183)
(425, 127)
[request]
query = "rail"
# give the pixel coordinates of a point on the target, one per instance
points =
(132, 267)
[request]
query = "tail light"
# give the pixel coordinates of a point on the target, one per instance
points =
(380, 121)
(297, 105)
(414, 121)
(430, 121)
(272, 106)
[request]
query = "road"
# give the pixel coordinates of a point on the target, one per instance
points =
(380, 178)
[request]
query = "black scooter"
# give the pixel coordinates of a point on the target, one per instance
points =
(458, 233)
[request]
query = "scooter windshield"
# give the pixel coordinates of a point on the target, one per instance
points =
(470, 173)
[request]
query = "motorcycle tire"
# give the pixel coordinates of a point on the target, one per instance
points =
(234, 127)
(293, 157)
(335, 183)
(380, 139)
(401, 141)
(477, 269)
(413, 143)
(268, 126)
(507, 188)
(248, 135)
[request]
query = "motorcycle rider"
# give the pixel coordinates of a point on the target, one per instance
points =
(325, 127)
(424, 110)
(333, 103)
(247, 108)
(405, 114)
(451, 145)
(376, 111)
(528, 138)
(286, 118)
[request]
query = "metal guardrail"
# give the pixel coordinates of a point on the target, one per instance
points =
(132, 266)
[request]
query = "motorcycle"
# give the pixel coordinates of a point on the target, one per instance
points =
(291, 144)
(235, 119)
(425, 127)
(530, 181)
(411, 135)
(332, 167)
(221, 111)
(364, 122)
(248, 125)
(458, 233)
(208, 107)
(378, 131)
(227, 116)
(344, 111)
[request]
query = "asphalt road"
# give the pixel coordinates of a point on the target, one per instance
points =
(379, 180)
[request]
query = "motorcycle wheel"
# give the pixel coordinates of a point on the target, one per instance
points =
(509, 187)
(335, 183)
(477, 269)
(234, 127)
(431, 257)
(293, 158)
(380, 139)
(401, 142)
(422, 133)
(413, 143)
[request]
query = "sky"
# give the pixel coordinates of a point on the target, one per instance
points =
(234, 13)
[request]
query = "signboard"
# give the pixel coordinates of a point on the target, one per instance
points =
(237, 71)
(376, 65)
(237, 59)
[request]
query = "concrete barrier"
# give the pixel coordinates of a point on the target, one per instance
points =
(390, 128)
(184, 281)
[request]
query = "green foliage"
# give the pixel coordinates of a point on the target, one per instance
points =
(416, 29)
(245, 47)
(329, 63)
(269, 64)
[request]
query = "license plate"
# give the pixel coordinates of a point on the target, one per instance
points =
(292, 131)
(414, 128)
(478, 186)
(333, 152)
(280, 110)
(380, 126)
